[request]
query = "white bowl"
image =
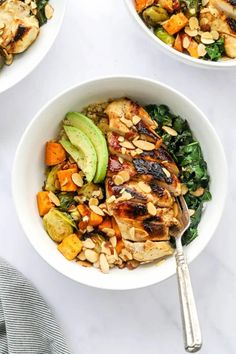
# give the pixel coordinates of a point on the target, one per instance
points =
(26, 62)
(173, 52)
(28, 175)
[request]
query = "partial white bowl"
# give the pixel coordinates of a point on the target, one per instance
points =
(173, 52)
(26, 62)
(28, 175)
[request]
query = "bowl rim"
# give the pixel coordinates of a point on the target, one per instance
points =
(40, 57)
(173, 52)
(88, 281)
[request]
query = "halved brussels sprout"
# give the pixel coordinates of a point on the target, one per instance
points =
(87, 190)
(58, 225)
(192, 7)
(51, 178)
(164, 36)
(153, 15)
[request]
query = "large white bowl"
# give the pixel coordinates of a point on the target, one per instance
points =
(26, 62)
(173, 52)
(28, 174)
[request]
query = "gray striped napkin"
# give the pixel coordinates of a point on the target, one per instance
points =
(27, 325)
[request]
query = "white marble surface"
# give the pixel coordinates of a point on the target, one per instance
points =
(99, 38)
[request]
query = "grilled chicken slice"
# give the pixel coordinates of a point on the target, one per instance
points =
(20, 27)
(159, 196)
(152, 170)
(149, 251)
(127, 118)
(163, 157)
(136, 223)
(155, 231)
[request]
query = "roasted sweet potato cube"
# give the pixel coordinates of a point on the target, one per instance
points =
(166, 4)
(70, 247)
(54, 153)
(95, 219)
(83, 210)
(65, 180)
(178, 43)
(44, 203)
(193, 49)
(142, 4)
(175, 23)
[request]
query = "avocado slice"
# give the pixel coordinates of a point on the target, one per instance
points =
(96, 137)
(76, 154)
(82, 143)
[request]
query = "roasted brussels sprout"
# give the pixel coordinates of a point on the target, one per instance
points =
(164, 36)
(153, 15)
(58, 225)
(87, 190)
(192, 7)
(51, 178)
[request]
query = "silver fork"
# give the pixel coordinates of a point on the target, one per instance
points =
(191, 327)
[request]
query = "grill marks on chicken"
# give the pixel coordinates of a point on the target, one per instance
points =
(19, 27)
(144, 205)
(159, 196)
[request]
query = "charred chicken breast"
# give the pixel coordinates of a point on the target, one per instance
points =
(142, 182)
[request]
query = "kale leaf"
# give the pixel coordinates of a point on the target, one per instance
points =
(215, 50)
(41, 11)
(66, 200)
(187, 153)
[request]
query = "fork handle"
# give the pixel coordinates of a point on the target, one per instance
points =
(191, 327)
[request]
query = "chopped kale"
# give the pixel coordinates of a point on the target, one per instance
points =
(66, 200)
(187, 153)
(215, 50)
(41, 11)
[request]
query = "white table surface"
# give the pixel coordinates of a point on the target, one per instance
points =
(99, 38)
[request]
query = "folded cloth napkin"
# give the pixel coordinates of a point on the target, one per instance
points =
(27, 325)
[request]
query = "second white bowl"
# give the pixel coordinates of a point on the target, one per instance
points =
(26, 62)
(173, 52)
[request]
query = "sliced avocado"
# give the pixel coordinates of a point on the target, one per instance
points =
(96, 137)
(84, 145)
(76, 154)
